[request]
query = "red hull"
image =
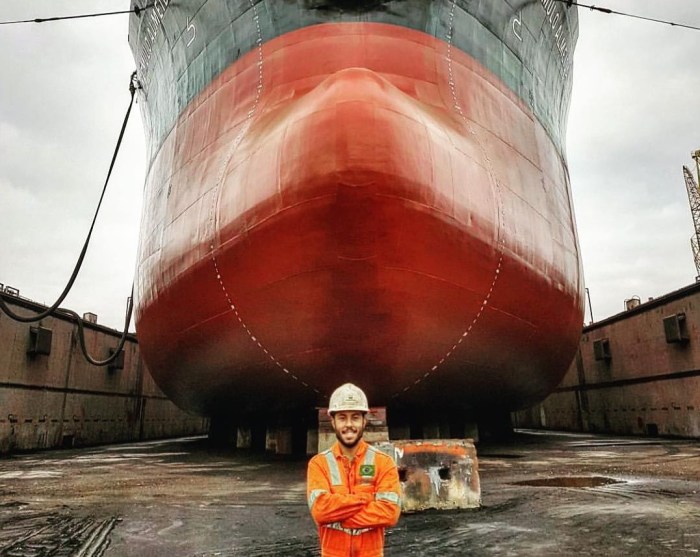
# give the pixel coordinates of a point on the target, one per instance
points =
(358, 202)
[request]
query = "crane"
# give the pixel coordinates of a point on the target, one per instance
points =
(694, 199)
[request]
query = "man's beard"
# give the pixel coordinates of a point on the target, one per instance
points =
(339, 437)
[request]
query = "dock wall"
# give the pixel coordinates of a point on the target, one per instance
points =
(636, 373)
(60, 400)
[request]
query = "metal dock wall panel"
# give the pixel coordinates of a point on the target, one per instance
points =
(634, 374)
(60, 400)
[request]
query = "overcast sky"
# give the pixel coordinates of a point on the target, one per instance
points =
(634, 120)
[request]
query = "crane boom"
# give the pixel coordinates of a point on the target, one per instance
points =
(694, 199)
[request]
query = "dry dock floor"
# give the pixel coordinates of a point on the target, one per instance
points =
(543, 493)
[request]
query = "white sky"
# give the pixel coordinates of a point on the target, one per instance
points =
(64, 90)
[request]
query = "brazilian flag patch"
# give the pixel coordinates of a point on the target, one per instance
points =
(367, 470)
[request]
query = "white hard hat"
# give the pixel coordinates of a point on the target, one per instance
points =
(348, 397)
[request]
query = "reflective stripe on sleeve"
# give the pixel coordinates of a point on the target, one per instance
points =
(333, 469)
(369, 455)
(388, 496)
(314, 495)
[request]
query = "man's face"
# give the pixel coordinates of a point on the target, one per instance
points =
(349, 427)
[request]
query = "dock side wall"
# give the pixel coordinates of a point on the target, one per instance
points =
(61, 400)
(642, 384)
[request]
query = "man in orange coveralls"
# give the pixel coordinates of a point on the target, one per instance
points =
(352, 488)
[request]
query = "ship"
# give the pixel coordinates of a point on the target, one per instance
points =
(373, 191)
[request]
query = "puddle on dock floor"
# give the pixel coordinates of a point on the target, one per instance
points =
(178, 498)
(579, 482)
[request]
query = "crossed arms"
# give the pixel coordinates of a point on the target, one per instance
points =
(362, 506)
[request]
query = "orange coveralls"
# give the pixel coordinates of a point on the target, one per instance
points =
(352, 502)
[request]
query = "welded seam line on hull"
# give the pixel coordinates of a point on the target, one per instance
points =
(234, 145)
(494, 180)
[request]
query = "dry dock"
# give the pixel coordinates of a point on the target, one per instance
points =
(543, 494)
(51, 397)
(635, 373)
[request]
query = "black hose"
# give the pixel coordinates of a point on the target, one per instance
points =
(34, 318)
(81, 333)
(133, 85)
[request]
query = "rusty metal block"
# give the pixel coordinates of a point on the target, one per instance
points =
(436, 474)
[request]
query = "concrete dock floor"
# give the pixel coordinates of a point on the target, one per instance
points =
(543, 493)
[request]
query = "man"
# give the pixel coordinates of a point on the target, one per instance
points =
(352, 488)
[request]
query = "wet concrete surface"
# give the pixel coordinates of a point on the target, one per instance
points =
(543, 493)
